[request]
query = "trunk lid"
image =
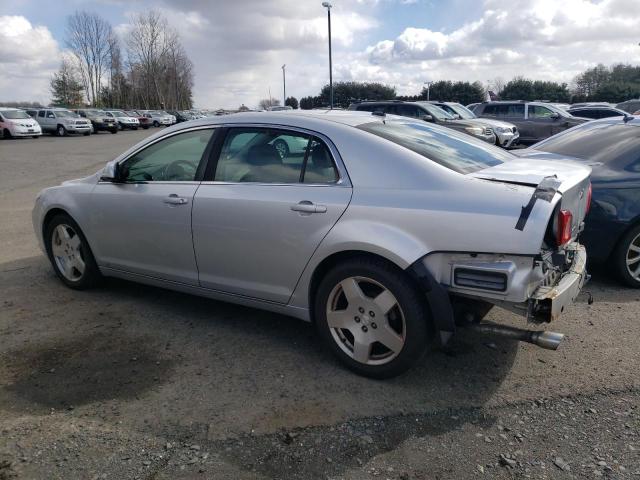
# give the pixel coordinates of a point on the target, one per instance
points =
(573, 180)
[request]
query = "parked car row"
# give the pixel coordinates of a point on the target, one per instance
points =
(33, 122)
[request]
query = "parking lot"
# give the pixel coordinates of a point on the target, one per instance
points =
(129, 381)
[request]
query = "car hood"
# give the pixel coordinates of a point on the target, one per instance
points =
(463, 123)
(494, 123)
(531, 171)
(24, 121)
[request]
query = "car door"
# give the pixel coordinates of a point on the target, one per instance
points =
(542, 122)
(143, 224)
(260, 216)
(45, 120)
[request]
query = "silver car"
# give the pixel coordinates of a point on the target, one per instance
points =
(386, 232)
(507, 134)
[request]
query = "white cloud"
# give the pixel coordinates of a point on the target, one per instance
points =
(28, 57)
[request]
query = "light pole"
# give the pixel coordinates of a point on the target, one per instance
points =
(284, 86)
(328, 6)
(428, 84)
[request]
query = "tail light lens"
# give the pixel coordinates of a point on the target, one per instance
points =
(589, 193)
(564, 227)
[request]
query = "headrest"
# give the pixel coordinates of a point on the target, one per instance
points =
(264, 155)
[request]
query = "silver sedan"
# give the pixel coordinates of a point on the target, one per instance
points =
(383, 231)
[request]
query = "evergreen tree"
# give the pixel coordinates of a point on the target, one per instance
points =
(66, 88)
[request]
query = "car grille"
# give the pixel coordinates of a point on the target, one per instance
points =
(487, 131)
(80, 122)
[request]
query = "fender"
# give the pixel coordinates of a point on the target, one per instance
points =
(437, 300)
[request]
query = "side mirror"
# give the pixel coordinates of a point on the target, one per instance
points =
(555, 115)
(111, 173)
(427, 118)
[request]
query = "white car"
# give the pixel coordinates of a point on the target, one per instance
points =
(17, 123)
(124, 120)
(157, 118)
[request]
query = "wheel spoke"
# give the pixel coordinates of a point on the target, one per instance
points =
(631, 261)
(385, 301)
(63, 233)
(389, 338)
(78, 263)
(351, 290)
(67, 268)
(338, 319)
(634, 248)
(361, 349)
(75, 242)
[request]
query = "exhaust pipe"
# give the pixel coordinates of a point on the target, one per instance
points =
(543, 339)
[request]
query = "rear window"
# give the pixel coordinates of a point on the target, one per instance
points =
(456, 151)
(604, 142)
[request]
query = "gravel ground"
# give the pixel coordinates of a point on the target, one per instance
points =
(128, 381)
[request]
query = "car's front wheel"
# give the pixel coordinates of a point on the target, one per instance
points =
(372, 317)
(627, 258)
(69, 253)
(6, 133)
(61, 131)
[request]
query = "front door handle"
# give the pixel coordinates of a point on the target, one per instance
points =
(306, 206)
(174, 199)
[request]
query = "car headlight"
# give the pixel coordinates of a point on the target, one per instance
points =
(502, 129)
(475, 130)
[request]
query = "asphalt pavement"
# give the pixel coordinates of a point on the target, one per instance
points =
(128, 381)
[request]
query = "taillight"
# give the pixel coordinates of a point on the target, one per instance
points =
(589, 193)
(564, 227)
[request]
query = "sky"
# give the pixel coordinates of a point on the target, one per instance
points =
(239, 46)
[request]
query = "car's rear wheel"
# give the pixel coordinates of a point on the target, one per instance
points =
(627, 258)
(69, 253)
(372, 317)
(61, 131)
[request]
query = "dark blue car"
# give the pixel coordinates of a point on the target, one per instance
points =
(612, 227)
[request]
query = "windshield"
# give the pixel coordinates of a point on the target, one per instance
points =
(436, 112)
(94, 113)
(597, 142)
(14, 114)
(65, 114)
(560, 111)
(119, 113)
(458, 109)
(457, 151)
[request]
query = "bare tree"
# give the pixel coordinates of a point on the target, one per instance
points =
(88, 37)
(160, 71)
(265, 103)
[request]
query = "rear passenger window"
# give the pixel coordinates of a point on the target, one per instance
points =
(273, 156)
(515, 110)
(41, 114)
(319, 167)
(408, 111)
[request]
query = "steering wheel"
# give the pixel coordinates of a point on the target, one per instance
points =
(176, 171)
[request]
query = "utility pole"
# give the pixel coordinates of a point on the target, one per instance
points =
(328, 6)
(284, 86)
(428, 84)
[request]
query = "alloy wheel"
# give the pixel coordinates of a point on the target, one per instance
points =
(366, 320)
(633, 258)
(67, 252)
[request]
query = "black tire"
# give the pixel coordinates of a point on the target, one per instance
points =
(61, 131)
(622, 252)
(134, 128)
(156, 123)
(146, 127)
(6, 134)
(91, 275)
(410, 301)
(86, 134)
(114, 131)
(36, 136)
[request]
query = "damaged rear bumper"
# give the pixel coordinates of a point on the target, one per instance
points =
(548, 302)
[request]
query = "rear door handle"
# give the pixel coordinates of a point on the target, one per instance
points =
(174, 199)
(306, 206)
